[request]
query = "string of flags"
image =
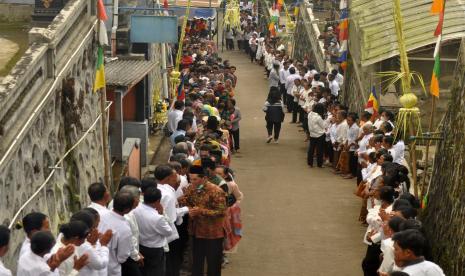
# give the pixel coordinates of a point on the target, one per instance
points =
(343, 36)
(102, 41)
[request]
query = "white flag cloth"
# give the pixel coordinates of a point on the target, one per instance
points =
(343, 4)
(102, 34)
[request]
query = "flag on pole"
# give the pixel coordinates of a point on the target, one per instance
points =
(101, 13)
(344, 25)
(434, 88)
(100, 71)
(343, 60)
(102, 40)
(272, 29)
(373, 103)
(438, 8)
(279, 4)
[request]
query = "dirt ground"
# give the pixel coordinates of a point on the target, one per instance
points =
(296, 220)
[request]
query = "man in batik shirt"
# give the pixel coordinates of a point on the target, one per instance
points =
(207, 209)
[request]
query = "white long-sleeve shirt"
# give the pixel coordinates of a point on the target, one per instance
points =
(120, 245)
(341, 132)
(98, 258)
(153, 227)
(352, 135)
(374, 224)
(290, 83)
(283, 74)
(31, 264)
(135, 235)
(25, 247)
(425, 268)
(316, 125)
(4, 271)
(174, 116)
(387, 247)
(169, 201)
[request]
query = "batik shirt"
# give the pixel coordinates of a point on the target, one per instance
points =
(212, 203)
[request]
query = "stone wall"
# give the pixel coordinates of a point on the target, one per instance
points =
(47, 106)
(445, 212)
(16, 12)
(306, 42)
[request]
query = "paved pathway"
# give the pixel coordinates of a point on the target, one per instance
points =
(297, 221)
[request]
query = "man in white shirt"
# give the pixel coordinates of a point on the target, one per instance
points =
(4, 242)
(338, 77)
(120, 245)
(167, 178)
(154, 229)
(135, 260)
(341, 133)
(333, 85)
(175, 115)
(99, 197)
(351, 144)
(34, 263)
(289, 85)
(283, 74)
(408, 254)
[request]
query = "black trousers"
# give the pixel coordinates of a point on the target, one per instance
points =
(316, 143)
(277, 129)
(174, 258)
(329, 151)
(295, 111)
(130, 268)
(353, 163)
(289, 102)
(212, 251)
(371, 262)
(235, 138)
(154, 261)
(229, 44)
(304, 120)
(253, 55)
(282, 88)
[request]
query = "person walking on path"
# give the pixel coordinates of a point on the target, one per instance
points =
(317, 129)
(273, 78)
(274, 117)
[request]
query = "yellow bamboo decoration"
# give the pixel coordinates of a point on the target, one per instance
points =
(175, 74)
(409, 116)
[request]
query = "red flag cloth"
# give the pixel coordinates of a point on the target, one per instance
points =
(101, 13)
(165, 4)
(438, 30)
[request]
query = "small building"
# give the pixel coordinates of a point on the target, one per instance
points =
(128, 87)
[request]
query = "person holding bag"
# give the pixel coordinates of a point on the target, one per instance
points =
(274, 117)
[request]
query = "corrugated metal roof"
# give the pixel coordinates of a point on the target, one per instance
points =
(127, 73)
(372, 24)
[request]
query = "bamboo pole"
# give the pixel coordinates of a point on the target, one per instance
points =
(430, 129)
(103, 123)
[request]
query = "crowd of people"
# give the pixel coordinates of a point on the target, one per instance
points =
(188, 212)
(180, 217)
(362, 147)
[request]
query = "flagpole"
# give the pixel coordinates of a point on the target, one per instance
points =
(437, 50)
(430, 129)
(103, 123)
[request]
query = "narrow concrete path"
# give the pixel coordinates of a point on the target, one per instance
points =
(297, 221)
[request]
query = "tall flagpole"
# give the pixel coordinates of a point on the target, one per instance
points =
(103, 123)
